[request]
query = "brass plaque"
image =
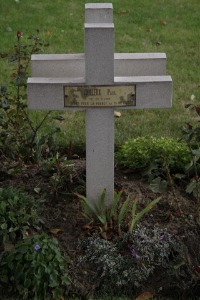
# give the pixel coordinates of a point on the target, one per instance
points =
(99, 96)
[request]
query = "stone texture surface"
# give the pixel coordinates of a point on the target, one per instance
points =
(73, 65)
(58, 65)
(151, 91)
(99, 13)
(99, 69)
(100, 153)
(140, 64)
(99, 54)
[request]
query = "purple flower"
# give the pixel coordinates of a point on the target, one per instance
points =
(134, 252)
(37, 247)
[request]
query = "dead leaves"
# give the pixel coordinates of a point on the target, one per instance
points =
(158, 41)
(123, 11)
(149, 29)
(55, 231)
(117, 114)
(163, 22)
(145, 296)
(48, 32)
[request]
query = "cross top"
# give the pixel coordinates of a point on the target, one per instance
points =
(99, 81)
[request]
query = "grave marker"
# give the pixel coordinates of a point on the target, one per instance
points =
(99, 81)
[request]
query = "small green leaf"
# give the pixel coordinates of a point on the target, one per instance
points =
(158, 185)
(191, 187)
(4, 226)
(144, 211)
(123, 211)
(113, 210)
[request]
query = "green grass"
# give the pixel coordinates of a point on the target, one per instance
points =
(139, 26)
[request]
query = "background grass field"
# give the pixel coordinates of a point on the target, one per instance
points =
(170, 26)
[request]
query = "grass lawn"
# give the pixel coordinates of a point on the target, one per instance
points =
(170, 26)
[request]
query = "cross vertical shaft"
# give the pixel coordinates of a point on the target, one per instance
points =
(99, 62)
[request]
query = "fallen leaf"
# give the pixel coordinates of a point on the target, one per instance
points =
(55, 231)
(104, 235)
(158, 42)
(48, 32)
(197, 271)
(163, 22)
(145, 296)
(88, 225)
(117, 114)
(37, 190)
(123, 11)
(8, 29)
(8, 246)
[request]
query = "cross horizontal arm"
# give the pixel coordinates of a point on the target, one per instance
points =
(73, 65)
(151, 91)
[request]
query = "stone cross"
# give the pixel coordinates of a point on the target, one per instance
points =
(99, 81)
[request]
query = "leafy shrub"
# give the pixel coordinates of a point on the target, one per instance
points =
(18, 212)
(139, 153)
(127, 263)
(35, 269)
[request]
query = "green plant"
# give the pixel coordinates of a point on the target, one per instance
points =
(128, 262)
(20, 137)
(111, 218)
(59, 170)
(135, 217)
(35, 269)
(18, 213)
(191, 134)
(139, 153)
(101, 212)
(162, 160)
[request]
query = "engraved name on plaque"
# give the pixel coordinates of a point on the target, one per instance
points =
(99, 96)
